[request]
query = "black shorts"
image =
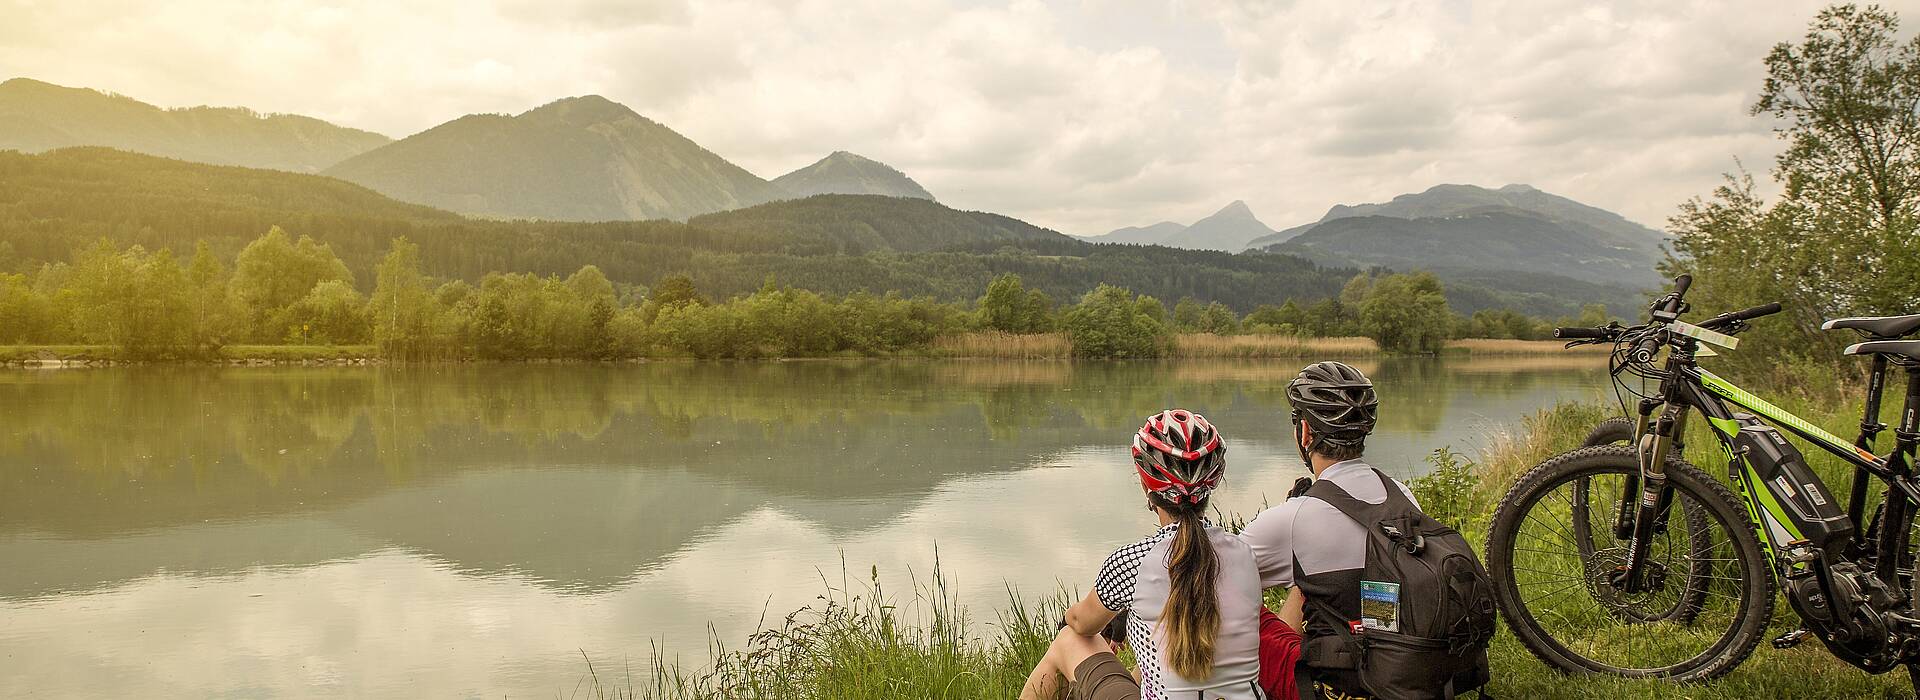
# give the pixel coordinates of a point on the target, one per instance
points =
(1102, 677)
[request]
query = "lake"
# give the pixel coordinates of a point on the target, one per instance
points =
(471, 530)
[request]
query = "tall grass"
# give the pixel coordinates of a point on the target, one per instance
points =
(1210, 346)
(1006, 346)
(861, 645)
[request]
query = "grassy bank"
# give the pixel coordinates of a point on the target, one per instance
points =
(109, 354)
(873, 644)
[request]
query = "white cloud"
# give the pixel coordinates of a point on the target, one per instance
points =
(1082, 115)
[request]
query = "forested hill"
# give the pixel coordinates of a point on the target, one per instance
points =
(847, 173)
(37, 116)
(578, 159)
(54, 204)
(850, 223)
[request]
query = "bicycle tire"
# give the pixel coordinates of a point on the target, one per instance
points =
(1619, 431)
(1755, 582)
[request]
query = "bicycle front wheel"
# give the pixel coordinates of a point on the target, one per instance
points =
(1564, 599)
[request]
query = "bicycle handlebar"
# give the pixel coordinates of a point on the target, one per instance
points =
(1582, 333)
(1741, 315)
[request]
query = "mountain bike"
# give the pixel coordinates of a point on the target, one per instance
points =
(1622, 558)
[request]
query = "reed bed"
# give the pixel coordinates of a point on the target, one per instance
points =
(1004, 346)
(1210, 346)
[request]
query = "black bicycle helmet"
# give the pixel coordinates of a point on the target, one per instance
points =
(1336, 400)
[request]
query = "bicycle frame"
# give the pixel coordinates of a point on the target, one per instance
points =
(1687, 388)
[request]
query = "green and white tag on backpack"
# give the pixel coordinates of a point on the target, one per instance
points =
(1380, 605)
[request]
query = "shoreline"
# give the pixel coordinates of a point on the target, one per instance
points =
(1186, 347)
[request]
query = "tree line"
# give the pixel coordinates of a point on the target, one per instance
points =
(286, 290)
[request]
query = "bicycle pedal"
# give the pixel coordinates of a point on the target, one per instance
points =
(1792, 639)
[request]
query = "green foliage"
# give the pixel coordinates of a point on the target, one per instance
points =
(134, 299)
(1841, 239)
(331, 313)
(275, 272)
(1008, 306)
(1406, 313)
(404, 314)
(1446, 492)
(1503, 323)
(1108, 323)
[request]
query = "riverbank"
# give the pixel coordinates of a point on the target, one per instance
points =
(981, 346)
(874, 644)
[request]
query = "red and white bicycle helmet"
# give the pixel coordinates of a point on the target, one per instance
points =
(1180, 456)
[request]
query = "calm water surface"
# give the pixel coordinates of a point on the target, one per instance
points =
(467, 531)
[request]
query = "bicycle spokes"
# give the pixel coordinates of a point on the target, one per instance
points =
(1570, 569)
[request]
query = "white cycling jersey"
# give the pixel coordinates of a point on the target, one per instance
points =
(1135, 579)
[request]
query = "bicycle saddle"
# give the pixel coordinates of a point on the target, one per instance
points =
(1880, 327)
(1909, 349)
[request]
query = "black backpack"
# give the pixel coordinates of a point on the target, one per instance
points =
(1423, 580)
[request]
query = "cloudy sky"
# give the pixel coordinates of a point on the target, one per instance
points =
(1081, 115)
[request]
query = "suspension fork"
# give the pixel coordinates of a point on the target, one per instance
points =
(1655, 495)
(1623, 514)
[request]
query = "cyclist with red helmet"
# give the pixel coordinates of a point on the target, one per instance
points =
(1191, 590)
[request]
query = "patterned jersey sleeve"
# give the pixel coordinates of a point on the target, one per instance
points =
(1117, 576)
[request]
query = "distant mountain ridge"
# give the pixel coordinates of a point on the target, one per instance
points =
(577, 159)
(1449, 199)
(37, 116)
(847, 173)
(1229, 229)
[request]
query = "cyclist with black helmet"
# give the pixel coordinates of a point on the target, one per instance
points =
(1190, 589)
(1307, 542)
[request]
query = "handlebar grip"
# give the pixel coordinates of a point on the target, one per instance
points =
(1580, 333)
(1757, 312)
(1733, 317)
(1680, 285)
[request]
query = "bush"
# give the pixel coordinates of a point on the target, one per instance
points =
(1109, 323)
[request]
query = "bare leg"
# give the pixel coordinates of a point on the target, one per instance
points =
(1049, 678)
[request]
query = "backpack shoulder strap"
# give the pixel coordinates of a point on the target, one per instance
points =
(1359, 511)
(1395, 497)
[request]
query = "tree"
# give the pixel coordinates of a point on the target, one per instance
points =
(274, 272)
(1108, 322)
(1407, 313)
(1841, 239)
(332, 313)
(1219, 320)
(1009, 307)
(212, 308)
(1186, 315)
(403, 313)
(133, 299)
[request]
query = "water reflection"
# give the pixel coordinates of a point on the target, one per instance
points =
(572, 506)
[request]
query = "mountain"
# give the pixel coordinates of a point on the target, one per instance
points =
(1228, 229)
(37, 116)
(1493, 239)
(577, 159)
(860, 223)
(846, 173)
(1442, 201)
(1156, 234)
